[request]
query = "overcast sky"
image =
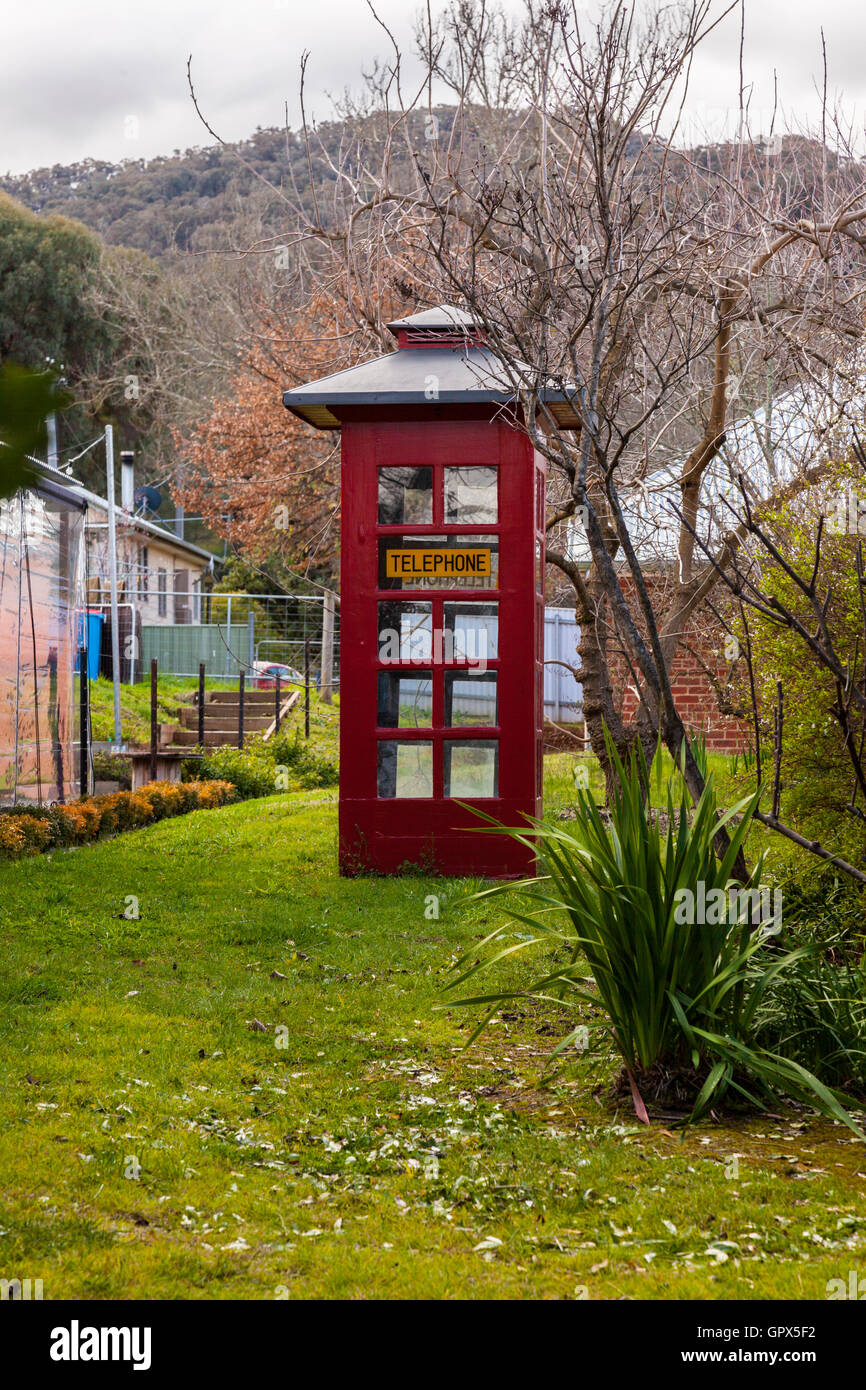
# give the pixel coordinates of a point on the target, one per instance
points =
(75, 71)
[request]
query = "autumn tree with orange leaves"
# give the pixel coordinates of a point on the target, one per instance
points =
(254, 473)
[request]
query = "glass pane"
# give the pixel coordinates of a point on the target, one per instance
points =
(405, 702)
(470, 496)
(405, 632)
(539, 566)
(471, 632)
(405, 495)
(471, 769)
(438, 562)
(469, 699)
(405, 769)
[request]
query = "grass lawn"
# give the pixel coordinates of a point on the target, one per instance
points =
(249, 1093)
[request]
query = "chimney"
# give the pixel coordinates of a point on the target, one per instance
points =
(127, 480)
(51, 423)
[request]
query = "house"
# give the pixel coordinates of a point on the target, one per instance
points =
(160, 577)
(53, 568)
(159, 574)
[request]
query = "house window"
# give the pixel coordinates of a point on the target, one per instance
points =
(143, 572)
(162, 592)
(196, 600)
(181, 597)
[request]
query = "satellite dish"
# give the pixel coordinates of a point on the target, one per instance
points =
(150, 498)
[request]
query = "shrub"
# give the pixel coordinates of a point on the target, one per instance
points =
(292, 750)
(679, 1001)
(816, 1012)
(141, 808)
(22, 835)
(37, 833)
(156, 801)
(76, 823)
(216, 793)
(282, 763)
(109, 818)
(252, 772)
(13, 839)
(820, 796)
(36, 829)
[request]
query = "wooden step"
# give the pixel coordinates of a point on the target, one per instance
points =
(230, 697)
(221, 718)
(226, 718)
(213, 738)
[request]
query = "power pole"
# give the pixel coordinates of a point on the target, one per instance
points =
(112, 579)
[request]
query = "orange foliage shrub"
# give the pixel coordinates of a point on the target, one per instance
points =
(30, 832)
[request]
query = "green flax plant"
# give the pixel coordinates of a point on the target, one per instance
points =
(677, 998)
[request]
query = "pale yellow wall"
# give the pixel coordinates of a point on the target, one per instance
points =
(160, 556)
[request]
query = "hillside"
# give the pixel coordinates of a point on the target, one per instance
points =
(182, 202)
(197, 199)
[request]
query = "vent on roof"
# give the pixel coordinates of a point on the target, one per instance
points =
(433, 337)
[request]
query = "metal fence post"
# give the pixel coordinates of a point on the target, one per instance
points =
(277, 706)
(228, 634)
(326, 683)
(306, 687)
(201, 704)
(558, 669)
(84, 716)
(241, 676)
(154, 716)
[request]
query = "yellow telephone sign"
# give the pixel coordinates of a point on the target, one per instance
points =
(437, 564)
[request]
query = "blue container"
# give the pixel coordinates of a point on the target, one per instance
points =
(94, 642)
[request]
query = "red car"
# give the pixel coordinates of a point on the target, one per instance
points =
(265, 675)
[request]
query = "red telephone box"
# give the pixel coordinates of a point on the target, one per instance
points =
(441, 607)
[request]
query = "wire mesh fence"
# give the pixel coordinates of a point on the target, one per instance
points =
(230, 633)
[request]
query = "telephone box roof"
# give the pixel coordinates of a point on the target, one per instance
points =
(440, 360)
(447, 318)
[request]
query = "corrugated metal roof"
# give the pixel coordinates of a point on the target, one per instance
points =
(767, 448)
(83, 497)
(140, 523)
(58, 483)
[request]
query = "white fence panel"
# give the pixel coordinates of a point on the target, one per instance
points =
(563, 695)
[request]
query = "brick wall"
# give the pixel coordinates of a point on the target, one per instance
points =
(694, 693)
